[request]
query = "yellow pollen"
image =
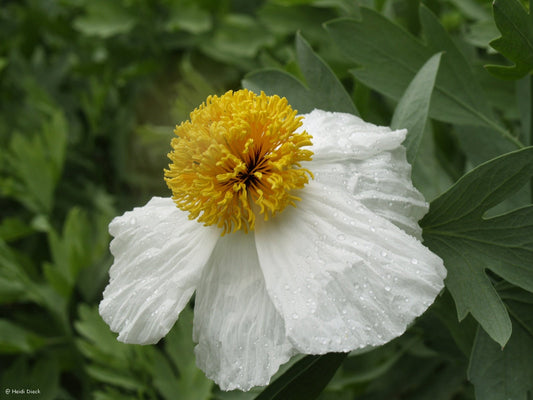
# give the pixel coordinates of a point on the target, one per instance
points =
(237, 157)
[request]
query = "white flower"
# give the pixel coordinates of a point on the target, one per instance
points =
(342, 269)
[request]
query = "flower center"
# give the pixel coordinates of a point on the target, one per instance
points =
(238, 156)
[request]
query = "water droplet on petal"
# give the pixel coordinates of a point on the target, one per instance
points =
(341, 237)
(414, 261)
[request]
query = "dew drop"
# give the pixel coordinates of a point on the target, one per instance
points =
(295, 316)
(341, 237)
(387, 288)
(414, 261)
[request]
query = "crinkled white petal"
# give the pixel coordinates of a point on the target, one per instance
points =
(159, 256)
(341, 136)
(241, 337)
(368, 161)
(343, 277)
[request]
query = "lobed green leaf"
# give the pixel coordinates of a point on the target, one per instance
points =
(388, 58)
(470, 244)
(516, 42)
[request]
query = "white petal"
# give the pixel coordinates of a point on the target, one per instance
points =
(341, 276)
(241, 336)
(159, 254)
(337, 136)
(368, 161)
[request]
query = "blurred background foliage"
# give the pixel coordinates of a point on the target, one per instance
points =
(89, 93)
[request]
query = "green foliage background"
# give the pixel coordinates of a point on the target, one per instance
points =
(90, 91)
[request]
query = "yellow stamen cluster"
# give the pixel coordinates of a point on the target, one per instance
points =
(238, 156)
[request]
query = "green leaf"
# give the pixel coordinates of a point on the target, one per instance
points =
(192, 383)
(97, 342)
(115, 377)
(70, 251)
(472, 9)
(16, 283)
(104, 19)
(516, 42)
(82, 243)
(504, 373)
(16, 339)
(238, 37)
(305, 380)
(285, 20)
(43, 376)
(428, 174)
(111, 394)
(367, 365)
(13, 228)
(188, 17)
(455, 228)
(463, 332)
(321, 89)
(412, 110)
(389, 58)
(37, 163)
